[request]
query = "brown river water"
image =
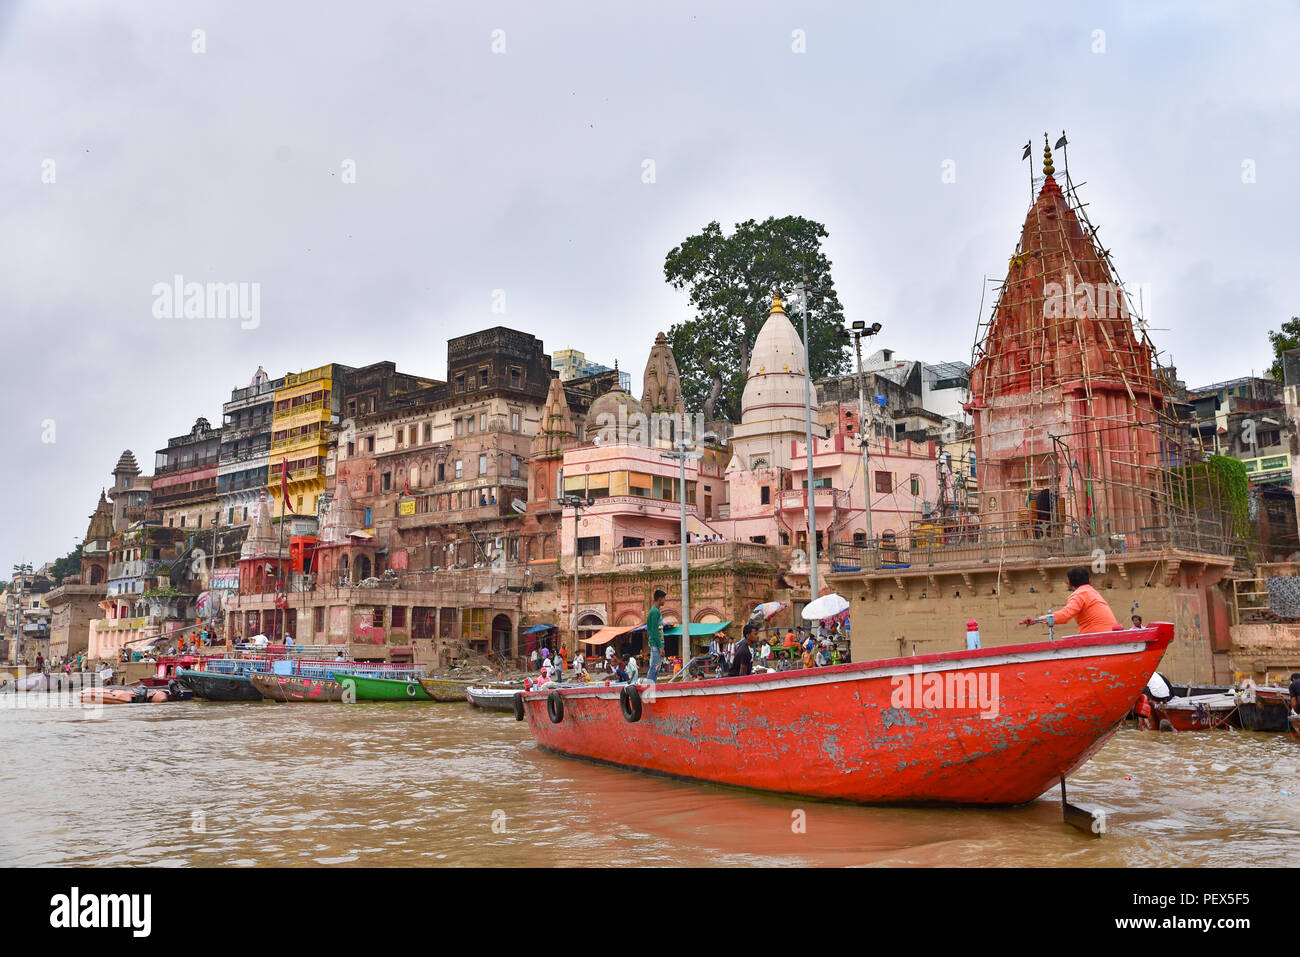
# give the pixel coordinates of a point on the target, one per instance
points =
(243, 784)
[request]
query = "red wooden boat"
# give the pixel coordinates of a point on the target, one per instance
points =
(1200, 712)
(291, 688)
(989, 726)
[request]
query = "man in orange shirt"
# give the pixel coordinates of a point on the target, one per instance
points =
(1086, 607)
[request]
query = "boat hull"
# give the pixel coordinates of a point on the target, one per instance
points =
(287, 688)
(875, 732)
(381, 689)
(492, 699)
(212, 686)
(445, 689)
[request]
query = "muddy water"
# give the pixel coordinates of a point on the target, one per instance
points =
(407, 784)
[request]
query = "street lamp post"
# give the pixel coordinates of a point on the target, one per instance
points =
(808, 444)
(577, 503)
(857, 333)
(681, 455)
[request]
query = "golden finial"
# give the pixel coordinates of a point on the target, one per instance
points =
(776, 303)
(1048, 168)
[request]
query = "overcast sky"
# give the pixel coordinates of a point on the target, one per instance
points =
(524, 171)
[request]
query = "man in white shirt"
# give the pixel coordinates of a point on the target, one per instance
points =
(631, 668)
(579, 660)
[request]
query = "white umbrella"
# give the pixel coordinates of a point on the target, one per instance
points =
(828, 606)
(767, 610)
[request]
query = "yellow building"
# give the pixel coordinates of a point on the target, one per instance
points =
(300, 431)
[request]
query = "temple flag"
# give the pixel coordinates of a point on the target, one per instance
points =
(284, 484)
(1061, 142)
(1028, 148)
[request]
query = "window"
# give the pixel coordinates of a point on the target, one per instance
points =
(460, 382)
(318, 619)
(469, 384)
(469, 424)
(758, 539)
(352, 448)
(598, 485)
(370, 443)
(442, 472)
(915, 484)
(482, 421)
(459, 469)
(514, 421)
(859, 538)
(182, 521)
(765, 495)
(230, 516)
(639, 483)
(245, 519)
(387, 481)
(884, 482)
(397, 616)
(514, 466)
(972, 465)
(352, 408)
(482, 464)
(398, 440)
(516, 377)
(410, 435)
(460, 426)
(428, 432)
(370, 483)
(483, 376)
(589, 546)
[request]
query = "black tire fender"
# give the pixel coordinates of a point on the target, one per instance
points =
(629, 700)
(555, 707)
(519, 706)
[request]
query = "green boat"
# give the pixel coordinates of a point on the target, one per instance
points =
(366, 688)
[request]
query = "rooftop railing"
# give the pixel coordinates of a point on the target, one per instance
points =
(957, 541)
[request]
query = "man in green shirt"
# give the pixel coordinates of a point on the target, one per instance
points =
(654, 626)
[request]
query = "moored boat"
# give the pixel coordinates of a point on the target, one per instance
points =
(217, 686)
(991, 726)
(371, 688)
(290, 688)
(1198, 713)
(445, 689)
(134, 694)
(493, 699)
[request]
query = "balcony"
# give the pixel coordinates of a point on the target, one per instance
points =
(294, 411)
(245, 455)
(796, 499)
(650, 556)
(198, 461)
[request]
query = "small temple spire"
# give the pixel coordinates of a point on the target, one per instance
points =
(776, 303)
(1048, 168)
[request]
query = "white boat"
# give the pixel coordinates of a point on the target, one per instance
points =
(493, 699)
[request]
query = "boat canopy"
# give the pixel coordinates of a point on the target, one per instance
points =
(605, 635)
(699, 629)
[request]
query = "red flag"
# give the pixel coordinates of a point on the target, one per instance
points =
(407, 489)
(284, 484)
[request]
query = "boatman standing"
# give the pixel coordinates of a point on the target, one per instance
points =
(1086, 607)
(654, 626)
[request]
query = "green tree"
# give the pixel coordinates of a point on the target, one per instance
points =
(1288, 338)
(69, 564)
(731, 280)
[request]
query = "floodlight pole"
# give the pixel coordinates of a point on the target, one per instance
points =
(808, 447)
